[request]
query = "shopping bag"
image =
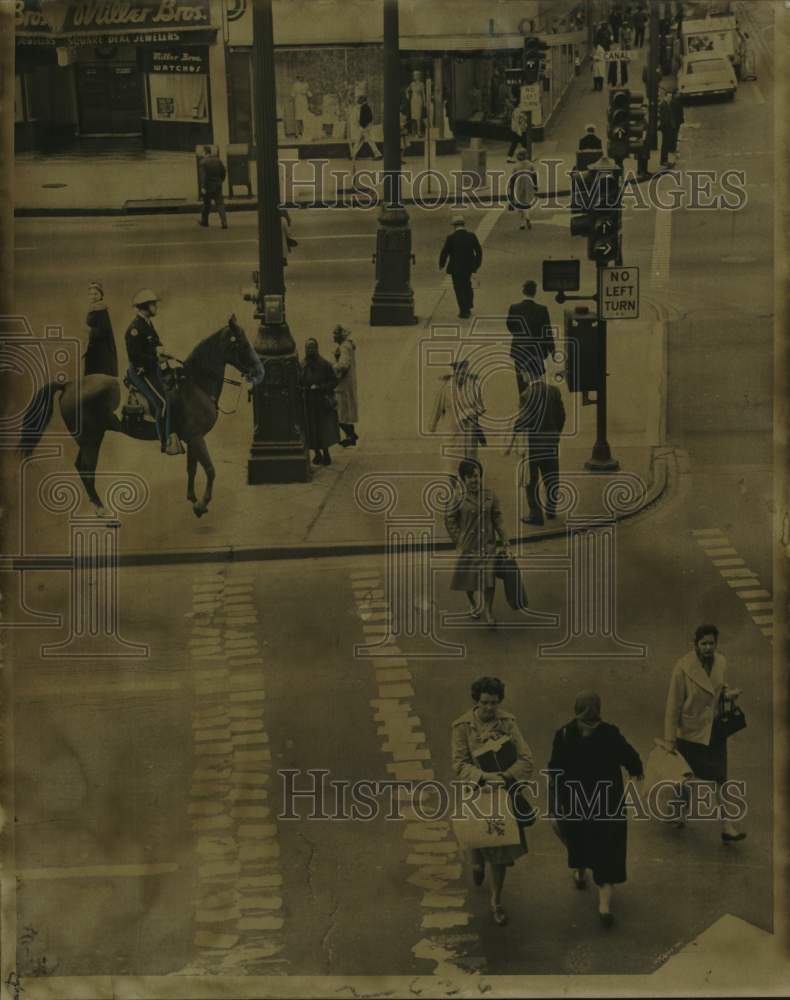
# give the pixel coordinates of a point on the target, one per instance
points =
(669, 770)
(487, 821)
(498, 755)
(506, 569)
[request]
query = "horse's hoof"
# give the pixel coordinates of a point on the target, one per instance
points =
(199, 509)
(191, 498)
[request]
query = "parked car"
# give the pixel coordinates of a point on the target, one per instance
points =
(706, 73)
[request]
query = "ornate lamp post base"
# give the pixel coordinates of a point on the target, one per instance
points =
(393, 298)
(278, 453)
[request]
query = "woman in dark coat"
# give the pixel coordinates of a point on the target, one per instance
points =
(101, 355)
(588, 755)
(318, 379)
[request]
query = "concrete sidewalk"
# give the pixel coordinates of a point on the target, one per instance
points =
(156, 181)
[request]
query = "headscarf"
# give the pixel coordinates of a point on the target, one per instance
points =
(346, 333)
(587, 707)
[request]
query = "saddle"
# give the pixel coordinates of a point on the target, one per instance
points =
(137, 416)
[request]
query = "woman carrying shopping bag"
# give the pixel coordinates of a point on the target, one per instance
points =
(477, 528)
(482, 738)
(696, 718)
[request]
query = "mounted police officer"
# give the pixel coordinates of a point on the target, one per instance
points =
(145, 363)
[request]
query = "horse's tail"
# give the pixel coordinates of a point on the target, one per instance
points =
(37, 416)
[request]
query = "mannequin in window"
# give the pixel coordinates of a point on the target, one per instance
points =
(416, 91)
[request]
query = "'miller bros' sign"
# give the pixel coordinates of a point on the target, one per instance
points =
(141, 14)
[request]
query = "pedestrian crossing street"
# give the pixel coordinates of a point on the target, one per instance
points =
(744, 581)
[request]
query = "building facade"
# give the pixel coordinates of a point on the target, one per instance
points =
(173, 74)
(136, 72)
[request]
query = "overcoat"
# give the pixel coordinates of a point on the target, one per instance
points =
(586, 796)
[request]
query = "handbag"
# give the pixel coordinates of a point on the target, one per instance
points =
(496, 825)
(506, 569)
(729, 721)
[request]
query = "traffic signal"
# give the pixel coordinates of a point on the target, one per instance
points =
(534, 59)
(604, 240)
(627, 124)
(637, 125)
(617, 124)
(582, 355)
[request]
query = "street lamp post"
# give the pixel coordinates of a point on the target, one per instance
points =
(279, 451)
(393, 298)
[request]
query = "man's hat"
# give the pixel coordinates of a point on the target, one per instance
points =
(458, 220)
(144, 296)
(589, 128)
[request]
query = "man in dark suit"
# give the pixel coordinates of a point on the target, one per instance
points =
(212, 176)
(533, 339)
(590, 140)
(542, 416)
(463, 255)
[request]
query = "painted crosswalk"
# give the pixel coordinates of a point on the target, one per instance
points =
(736, 573)
(238, 904)
(433, 858)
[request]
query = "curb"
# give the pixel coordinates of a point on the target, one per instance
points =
(469, 201)
(661, 480)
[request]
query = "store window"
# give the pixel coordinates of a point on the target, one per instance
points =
(317, 92)
(480, 91)
(177, 84)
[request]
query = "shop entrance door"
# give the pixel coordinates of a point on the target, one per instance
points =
(111, 99)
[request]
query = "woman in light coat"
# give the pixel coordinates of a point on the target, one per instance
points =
(345, 368)
(484, 727)
(477, 528)
(598, 67)
(699, 683)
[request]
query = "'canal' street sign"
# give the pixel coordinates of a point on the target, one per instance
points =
(618, 292)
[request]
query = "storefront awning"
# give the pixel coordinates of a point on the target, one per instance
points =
(482, 42)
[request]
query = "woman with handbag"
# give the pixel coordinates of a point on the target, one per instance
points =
(489, 751)
(318, 381)
(587, 759)
(697, 722)
(475, 524)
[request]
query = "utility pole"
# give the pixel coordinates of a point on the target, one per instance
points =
(393, 298)
(279, 449)
(7, 15)
(652, 77)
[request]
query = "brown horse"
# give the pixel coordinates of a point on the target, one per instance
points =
(89, 409)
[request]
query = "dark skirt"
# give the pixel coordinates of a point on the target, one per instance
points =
(599, 845)
(709, 763)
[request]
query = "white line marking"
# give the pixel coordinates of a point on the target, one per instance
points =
(247, 264)
(755, 593)
(728, 562)
(705, 531)
(759, 605)
(763, 619)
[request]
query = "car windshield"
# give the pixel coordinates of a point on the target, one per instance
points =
(706, 66)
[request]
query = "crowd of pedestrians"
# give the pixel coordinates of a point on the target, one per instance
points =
(586, 801)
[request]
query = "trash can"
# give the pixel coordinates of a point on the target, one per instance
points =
(473, 163)
(200, 151)
(239, 169)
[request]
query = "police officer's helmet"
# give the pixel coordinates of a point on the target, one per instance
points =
(144, 296)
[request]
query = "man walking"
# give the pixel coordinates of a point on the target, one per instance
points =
(365, 121)
(463, 256)
(542, 418)
(212, 176)
(533, 341)
(639, 28)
